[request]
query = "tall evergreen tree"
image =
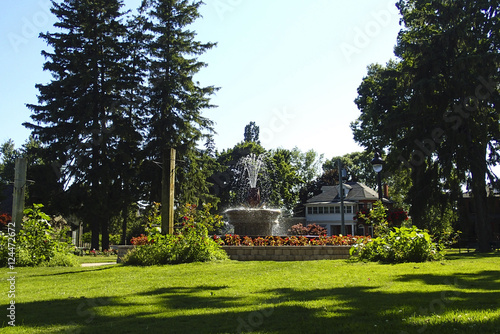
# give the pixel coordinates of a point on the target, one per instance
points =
(175, 100)
(81, 117)
(252, 133)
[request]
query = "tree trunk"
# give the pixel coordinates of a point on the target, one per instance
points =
(105, 233)
(123, 240)
(418, 196)
(94, 228)
(167, 191)
(478, 170)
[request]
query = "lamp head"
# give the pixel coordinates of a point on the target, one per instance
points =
(377, 163)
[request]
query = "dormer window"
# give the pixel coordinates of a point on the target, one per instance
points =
(346, 188)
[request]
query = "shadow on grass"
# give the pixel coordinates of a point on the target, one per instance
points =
(210, 309)
(472, 255)
(78, 271)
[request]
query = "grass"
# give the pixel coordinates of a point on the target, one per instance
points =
(96, 259)
(458, 295)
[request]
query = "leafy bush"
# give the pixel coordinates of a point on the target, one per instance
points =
(405, 244)
(191, 243)
(191, 214)
(395, 244)
(140, 240)
(38, 243)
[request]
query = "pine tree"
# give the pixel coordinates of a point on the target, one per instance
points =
(252, 133)
(175, 100)
(82, 117)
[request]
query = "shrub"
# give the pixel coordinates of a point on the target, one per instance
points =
(191, 213)
(405, 244)
(191, 243)
(311, 229)
(140, 240)
(37, 243)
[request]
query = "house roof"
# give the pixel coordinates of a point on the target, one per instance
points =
(357, 192)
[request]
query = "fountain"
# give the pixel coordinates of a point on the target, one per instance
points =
(252, 219)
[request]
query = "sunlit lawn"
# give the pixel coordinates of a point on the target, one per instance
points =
(96, 259)
(459, 295)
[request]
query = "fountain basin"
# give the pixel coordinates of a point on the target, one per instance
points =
(253, 221)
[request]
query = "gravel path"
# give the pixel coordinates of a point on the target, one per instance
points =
(97, 264)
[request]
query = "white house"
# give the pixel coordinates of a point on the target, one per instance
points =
(324, 209)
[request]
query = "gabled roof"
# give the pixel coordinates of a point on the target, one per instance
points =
(357, 192)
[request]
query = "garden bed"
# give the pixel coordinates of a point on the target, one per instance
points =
(286, 253)
(271, 253)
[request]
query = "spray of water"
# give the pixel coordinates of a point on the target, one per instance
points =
(253, 164)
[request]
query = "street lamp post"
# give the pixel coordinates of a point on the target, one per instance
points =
(378, 164)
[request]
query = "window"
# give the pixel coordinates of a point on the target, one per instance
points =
(337, 209)
(348, 209)
(365, 206)
(332, 209)
(325, 210)
(315, 210)
(320, 210)
(309, 210)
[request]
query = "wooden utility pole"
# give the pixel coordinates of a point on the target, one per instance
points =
(341, 194)
(19, 191)
(167, 193)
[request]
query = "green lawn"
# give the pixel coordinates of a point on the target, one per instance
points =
(459, 295)
(96, 259)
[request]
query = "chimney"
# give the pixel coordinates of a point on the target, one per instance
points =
(386, 190)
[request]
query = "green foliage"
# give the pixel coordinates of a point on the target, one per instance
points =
(307, 164)
(251, 133)
(436, 108)
(190, 243)
(404, 244)
(283, 194)
(193, 214)
(377, 217)
(395, 244)
(357, 165)
(8, 155)
(38, 243)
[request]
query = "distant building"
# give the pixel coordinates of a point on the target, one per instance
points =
(325, 208)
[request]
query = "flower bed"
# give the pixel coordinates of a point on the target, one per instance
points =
(280, 248)
(289, 248)
(323, 240)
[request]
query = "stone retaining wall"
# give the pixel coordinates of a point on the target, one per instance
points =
(286, 253)
(273, 253)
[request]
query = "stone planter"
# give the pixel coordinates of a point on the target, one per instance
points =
(122, 250)
(286, 253)
(271, 253)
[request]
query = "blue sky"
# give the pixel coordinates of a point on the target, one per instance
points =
(291, 66)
